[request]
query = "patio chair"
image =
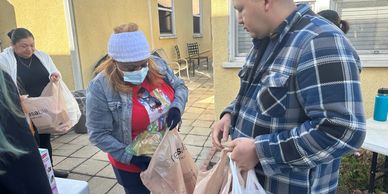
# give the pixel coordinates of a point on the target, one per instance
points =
(175, 66)
(193, 51)
(181, 60)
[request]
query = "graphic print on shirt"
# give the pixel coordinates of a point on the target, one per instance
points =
(156, 104)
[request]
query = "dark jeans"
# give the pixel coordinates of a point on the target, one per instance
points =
(131, 182)
(43, 141)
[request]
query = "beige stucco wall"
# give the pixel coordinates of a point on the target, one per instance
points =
(46, 20)
(95, 20)
(226, 82)
(7, 22)
(184, 28)
(372, 79)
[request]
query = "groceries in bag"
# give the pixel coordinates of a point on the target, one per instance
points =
(55, 111)
(172, 169)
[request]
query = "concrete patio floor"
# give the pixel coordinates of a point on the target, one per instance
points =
(74, 153)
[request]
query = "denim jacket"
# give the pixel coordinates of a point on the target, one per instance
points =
(109, 113)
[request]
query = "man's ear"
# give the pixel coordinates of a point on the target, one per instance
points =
(268, 4)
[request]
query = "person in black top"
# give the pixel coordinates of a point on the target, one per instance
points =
(21, 167)
(334, 18)
(31, 70)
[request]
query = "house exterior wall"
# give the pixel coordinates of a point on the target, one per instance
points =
(95, 20)
(46, 20)
(226, 82)
(94, 23)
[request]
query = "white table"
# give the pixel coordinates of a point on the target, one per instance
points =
(70, 186)
(376, 140)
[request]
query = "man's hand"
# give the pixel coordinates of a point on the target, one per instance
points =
(55, 76)
(244, 153)
(221, 130)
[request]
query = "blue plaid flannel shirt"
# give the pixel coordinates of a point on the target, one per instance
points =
(302, 105)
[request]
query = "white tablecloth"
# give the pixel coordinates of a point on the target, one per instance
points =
(376, 139)
(71, 186)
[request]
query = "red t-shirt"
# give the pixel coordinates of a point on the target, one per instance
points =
(148, 104)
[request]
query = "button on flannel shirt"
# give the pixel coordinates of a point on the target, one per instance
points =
(302, 105)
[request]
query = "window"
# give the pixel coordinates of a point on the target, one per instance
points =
(197, 19)
(242, 41)
(310, 2)
(166, 17)
(368, 20)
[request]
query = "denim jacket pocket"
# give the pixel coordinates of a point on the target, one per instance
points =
(272, 97)
(115, 108)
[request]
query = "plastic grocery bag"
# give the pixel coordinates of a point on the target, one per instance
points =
(216, 180)
(55, 111)
(172, 169)
(48, 113)
(252, 185)
(70, 103)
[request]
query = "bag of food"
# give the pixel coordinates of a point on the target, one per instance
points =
(217, 180)
(66, 98)
(172, 169)
(48, 112)
(241, 184)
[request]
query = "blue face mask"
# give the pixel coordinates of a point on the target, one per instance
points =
(135, 77)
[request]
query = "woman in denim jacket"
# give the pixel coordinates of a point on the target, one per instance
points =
(132, 93)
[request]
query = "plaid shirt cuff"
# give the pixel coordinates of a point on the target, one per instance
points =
(265, 156)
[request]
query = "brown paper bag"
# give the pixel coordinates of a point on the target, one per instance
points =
(216, 180)
(48, 112)
(172, 169)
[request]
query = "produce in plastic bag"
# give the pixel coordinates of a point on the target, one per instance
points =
(146, 142)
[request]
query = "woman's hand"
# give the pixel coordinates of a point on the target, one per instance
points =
(173, 118)
(22, 99)
(141, 161)
(55, 76)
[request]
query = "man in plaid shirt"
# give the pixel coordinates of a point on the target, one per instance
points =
(299, 107)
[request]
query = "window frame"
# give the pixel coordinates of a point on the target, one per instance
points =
(173, 29)
(368, 57)
(234, 61)
(238, 59)
(200, 19)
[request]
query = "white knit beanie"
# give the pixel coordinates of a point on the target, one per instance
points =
(128, 47)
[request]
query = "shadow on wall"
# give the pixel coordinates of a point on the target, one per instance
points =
(7, 22)
(64, 65)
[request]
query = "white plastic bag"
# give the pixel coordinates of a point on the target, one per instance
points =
(252, 185)
(48, 112)
(71, 105)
